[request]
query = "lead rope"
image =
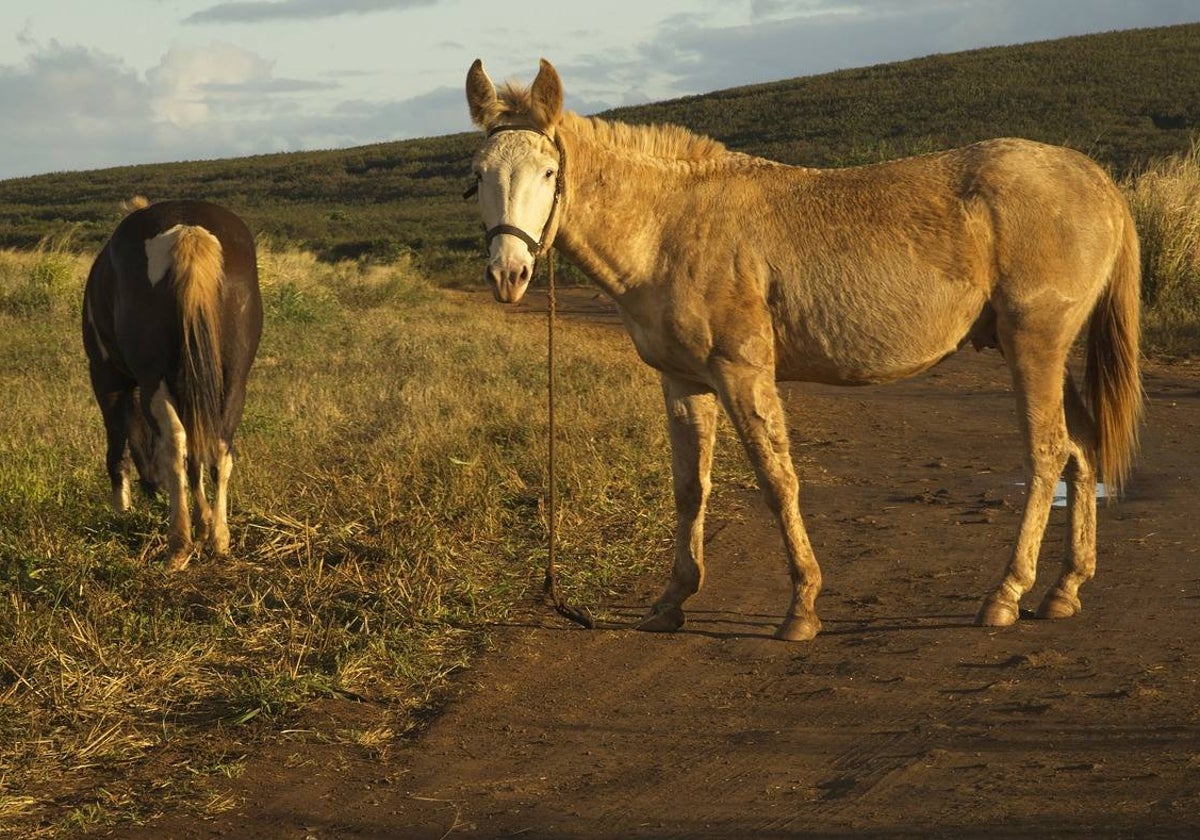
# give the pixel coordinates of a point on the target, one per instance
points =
(580, 616)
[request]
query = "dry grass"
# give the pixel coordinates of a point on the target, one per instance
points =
(386, 506)
(1166, 204)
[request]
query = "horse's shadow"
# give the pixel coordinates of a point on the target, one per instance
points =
(706, 623)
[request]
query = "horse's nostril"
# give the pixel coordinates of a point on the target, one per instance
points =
(524, 273)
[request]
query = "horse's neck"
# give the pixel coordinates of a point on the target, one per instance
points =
(611, 230)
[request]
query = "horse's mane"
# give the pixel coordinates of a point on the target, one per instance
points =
(664, 141)
(669, 142)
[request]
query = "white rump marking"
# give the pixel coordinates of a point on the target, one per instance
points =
(159, 249)
(158, 253)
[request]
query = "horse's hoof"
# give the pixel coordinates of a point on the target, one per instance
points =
(662, 619)
(997, 613)
(799, 628)
(178, 561)
(1058, 605)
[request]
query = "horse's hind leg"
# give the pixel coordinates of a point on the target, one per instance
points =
(1079, 563)
(173, 451)
(692, 423)
(203, 513)
(115, 409)
(219, 539)
(114, 395)
(1038, 368)
(752, 401)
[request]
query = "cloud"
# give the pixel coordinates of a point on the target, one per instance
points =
(67, 105)
(440, 111)
(256, 11)
(70, 108)
(193, 85)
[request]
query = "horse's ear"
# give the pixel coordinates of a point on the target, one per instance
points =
(547, 96)
(481, 95)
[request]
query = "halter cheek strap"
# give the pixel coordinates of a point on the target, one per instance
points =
(536, 246)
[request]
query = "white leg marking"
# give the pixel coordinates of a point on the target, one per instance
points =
(220, 531)
(173, 463)
(122, 498)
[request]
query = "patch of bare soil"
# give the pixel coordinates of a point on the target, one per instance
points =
(901, 719)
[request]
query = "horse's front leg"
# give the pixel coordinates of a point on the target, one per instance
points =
(692, 422)
(752, 402)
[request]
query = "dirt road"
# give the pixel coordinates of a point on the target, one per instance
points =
(900, 719)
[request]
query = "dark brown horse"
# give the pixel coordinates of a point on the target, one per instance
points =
(171, 321)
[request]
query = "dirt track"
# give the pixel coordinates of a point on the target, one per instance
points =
(901, 719)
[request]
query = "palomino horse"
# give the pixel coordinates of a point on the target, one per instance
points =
(732, 272)
(171, 322)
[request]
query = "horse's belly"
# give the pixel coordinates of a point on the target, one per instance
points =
(866, 350)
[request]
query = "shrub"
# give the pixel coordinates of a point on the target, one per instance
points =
(1165, 200)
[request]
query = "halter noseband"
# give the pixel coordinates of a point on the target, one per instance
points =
(536, 246)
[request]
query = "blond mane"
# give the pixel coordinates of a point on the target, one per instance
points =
(514, 103)
(664, 141)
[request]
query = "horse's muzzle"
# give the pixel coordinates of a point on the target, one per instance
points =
(509, 280)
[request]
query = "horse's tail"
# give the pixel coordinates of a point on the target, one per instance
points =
(199, 269)
(1112, 377)
(134, 202)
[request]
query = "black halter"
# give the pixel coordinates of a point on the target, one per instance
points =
(536, 246)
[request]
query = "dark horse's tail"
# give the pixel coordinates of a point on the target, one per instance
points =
(199, 270)
(1112, 378)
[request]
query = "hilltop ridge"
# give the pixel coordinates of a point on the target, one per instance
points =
(1124, 98)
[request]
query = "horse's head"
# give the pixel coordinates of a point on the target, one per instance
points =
(518, 174)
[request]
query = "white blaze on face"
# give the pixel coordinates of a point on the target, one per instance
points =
(158, 253)
(517, 183)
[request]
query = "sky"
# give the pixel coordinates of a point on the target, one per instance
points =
(87, 84)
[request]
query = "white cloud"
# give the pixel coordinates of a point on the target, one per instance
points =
(70, 108)
(184, 84)
(256, 11)
(67, 106)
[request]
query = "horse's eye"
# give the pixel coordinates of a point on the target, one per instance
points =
(549, 174)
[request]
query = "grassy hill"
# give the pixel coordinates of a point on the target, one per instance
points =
(1123, 97)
